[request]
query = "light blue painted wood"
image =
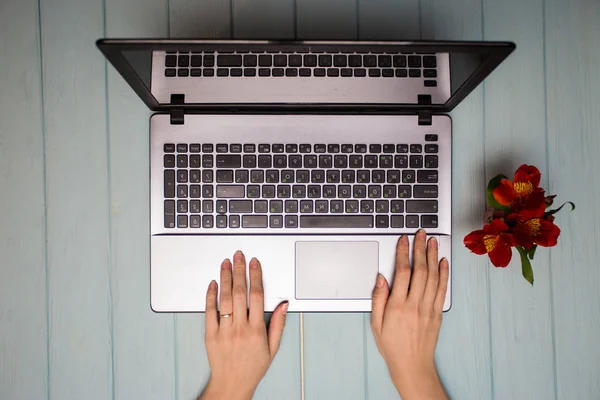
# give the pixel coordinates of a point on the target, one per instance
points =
(144, 363)
(326, 19)
(263, 19)
(80, 313)
(389, 19)
(202, 19)
(515, 133)
(573, 101)
(23, 328)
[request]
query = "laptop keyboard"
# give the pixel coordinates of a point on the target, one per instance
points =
(185, 64)
(294, 186)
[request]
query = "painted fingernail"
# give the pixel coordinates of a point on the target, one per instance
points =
(284, 308)
(213, 285)
(254, 263)
(421, 234)
(404, 239)
(432, 243)
(226, 264)
(379, 282)
(238, 256)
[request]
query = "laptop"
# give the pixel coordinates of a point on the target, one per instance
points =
(313, 156)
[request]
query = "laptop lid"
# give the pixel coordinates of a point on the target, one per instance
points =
(461, 65)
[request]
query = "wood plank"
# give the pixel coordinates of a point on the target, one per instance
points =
(573, 99)
(23, 327)
(205, 19)
(326, 19)
(143, 341)
(515, 133)
(389, 19)
(263, 19)
(77, 223)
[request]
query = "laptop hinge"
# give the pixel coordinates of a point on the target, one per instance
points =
(424, 117)
(177, 113)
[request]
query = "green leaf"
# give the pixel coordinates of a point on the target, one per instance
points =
(490, 193)
(559, 208)
(525, 265)
(531, 251)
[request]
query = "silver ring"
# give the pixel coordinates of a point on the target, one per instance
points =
(226, 315)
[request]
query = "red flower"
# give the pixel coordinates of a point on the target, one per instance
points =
(494, 240)
(523, 191)
(532, 228)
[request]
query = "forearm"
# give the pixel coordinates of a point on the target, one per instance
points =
(215, 391)
(420, 385)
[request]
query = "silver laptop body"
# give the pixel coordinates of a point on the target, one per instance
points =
(313, 157)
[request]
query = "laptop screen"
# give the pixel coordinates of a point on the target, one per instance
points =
(350, 75)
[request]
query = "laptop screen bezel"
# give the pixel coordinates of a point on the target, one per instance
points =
(113, 50)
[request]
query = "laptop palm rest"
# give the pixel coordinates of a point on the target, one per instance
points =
(336, 270)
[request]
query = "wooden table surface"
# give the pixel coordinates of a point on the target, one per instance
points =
(75, 321)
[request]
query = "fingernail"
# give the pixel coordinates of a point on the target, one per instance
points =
(379, 282)
(444, 263)
(213, 285)
(421, 234)
(284, 308)
(226, 264)
(404, 239)
(254, 263)
(238, 256)
(432, 243)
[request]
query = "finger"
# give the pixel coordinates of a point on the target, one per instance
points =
(419, 272)
(402, 275)
(380, 297)
(240, 290)
(440, 297)
(212, 324)
(276, 328)
(226, 306)
(257, 297)
(433, 277)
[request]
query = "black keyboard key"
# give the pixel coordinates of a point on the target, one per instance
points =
(169, 161)
(430, 83)
(182, 221)
(314, 191)
(229, 161)
(222, 148)
(363, 176)
(429, 221)
(169, 214)
(242, 176)
(279, 161)
(221, 221)
(207, 221)
(382, 206)
(370, 61)
(389, 191)
(397, 206)
(414, 61)
(371, 161)
(234, 221)
(196, 72)
(295, 161)
(291, 148)
(264, 148)
(346, 72)
(280, 60)
(310, 60)
(333, 72)
(306, 206)
(427, 176)
(397, 221)
(401, 148)
(195, 176)
(196, 60)
(299, 191)
(249, 161)
(429, 62)
(240, 206)
(295, 60)
(310, 161)
(209, 61)
(382, 221)
(284, 191)
(222, 72)
(429, 73)
(170, 72)
(257, 176)
(340, 161)
(291, 221)
(268, 191)
(325, 60)
(291, 206)
(416, 161)
(347, 148)
(431, 137)
(329, 191)
(182, 161)
(169, 183)
(277, 72)
(348, 176)
(195, 191)
(235, 72)
(264, 72)
(408, 176)
(399, 61)
(207, 176)
(207, 191)
(221, 206)
(261, 206)
(374, 73)
(250, 60)
(416, 148)
(386, 161)
(169, 148)
(414, 73)
(302, 176)
(340, 60)
(265, 60)
(431, 161)
(249, 148)
(231, 191)
(425, 191)
(272, 176)
(360, 148)
(182, 206)
(404, 191)
(287, 176)
(325, 161)
(207, 148)
(249, 72)
(355, 60)
(431, 148)
(421, 206)
(182, 148)
(253, 191)
(207, 206)
(333, 176)
(305, 148)
(336, 206)
(375, 148)
(182, 176)
(194, 148)
(374, 191)
(291, 72)
(208, 72)
(378, 176)
(264, 161)
(195, 161)
(360, 72)
(229, 60)
(385, 61)
(183, 61)
(319, 72)
(412, 221)
(278, 148)
(393, 176)
(317, 176)
(254, 221)
(344, 191)
(367, 206)
(356, 162)
(304, 72)
(389, 148)
(276, 221)
(195, 221)
(401, 73)
(359, 191)
(170, 61)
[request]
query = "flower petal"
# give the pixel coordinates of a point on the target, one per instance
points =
(501, 254)
(495, 227)
(474, 242)
(528, 173)
(504, 193)
(548, 234)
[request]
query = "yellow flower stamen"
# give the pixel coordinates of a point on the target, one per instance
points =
(532, 226)
(523, 188)
(490, 242)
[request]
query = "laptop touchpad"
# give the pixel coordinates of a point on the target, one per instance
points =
(336, 270)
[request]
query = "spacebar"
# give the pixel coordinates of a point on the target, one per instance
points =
(336, 221)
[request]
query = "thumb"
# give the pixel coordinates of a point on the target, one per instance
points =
(380, 297)
(276, 327)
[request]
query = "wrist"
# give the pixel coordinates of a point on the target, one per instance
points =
(217, 390)
(419, 383)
